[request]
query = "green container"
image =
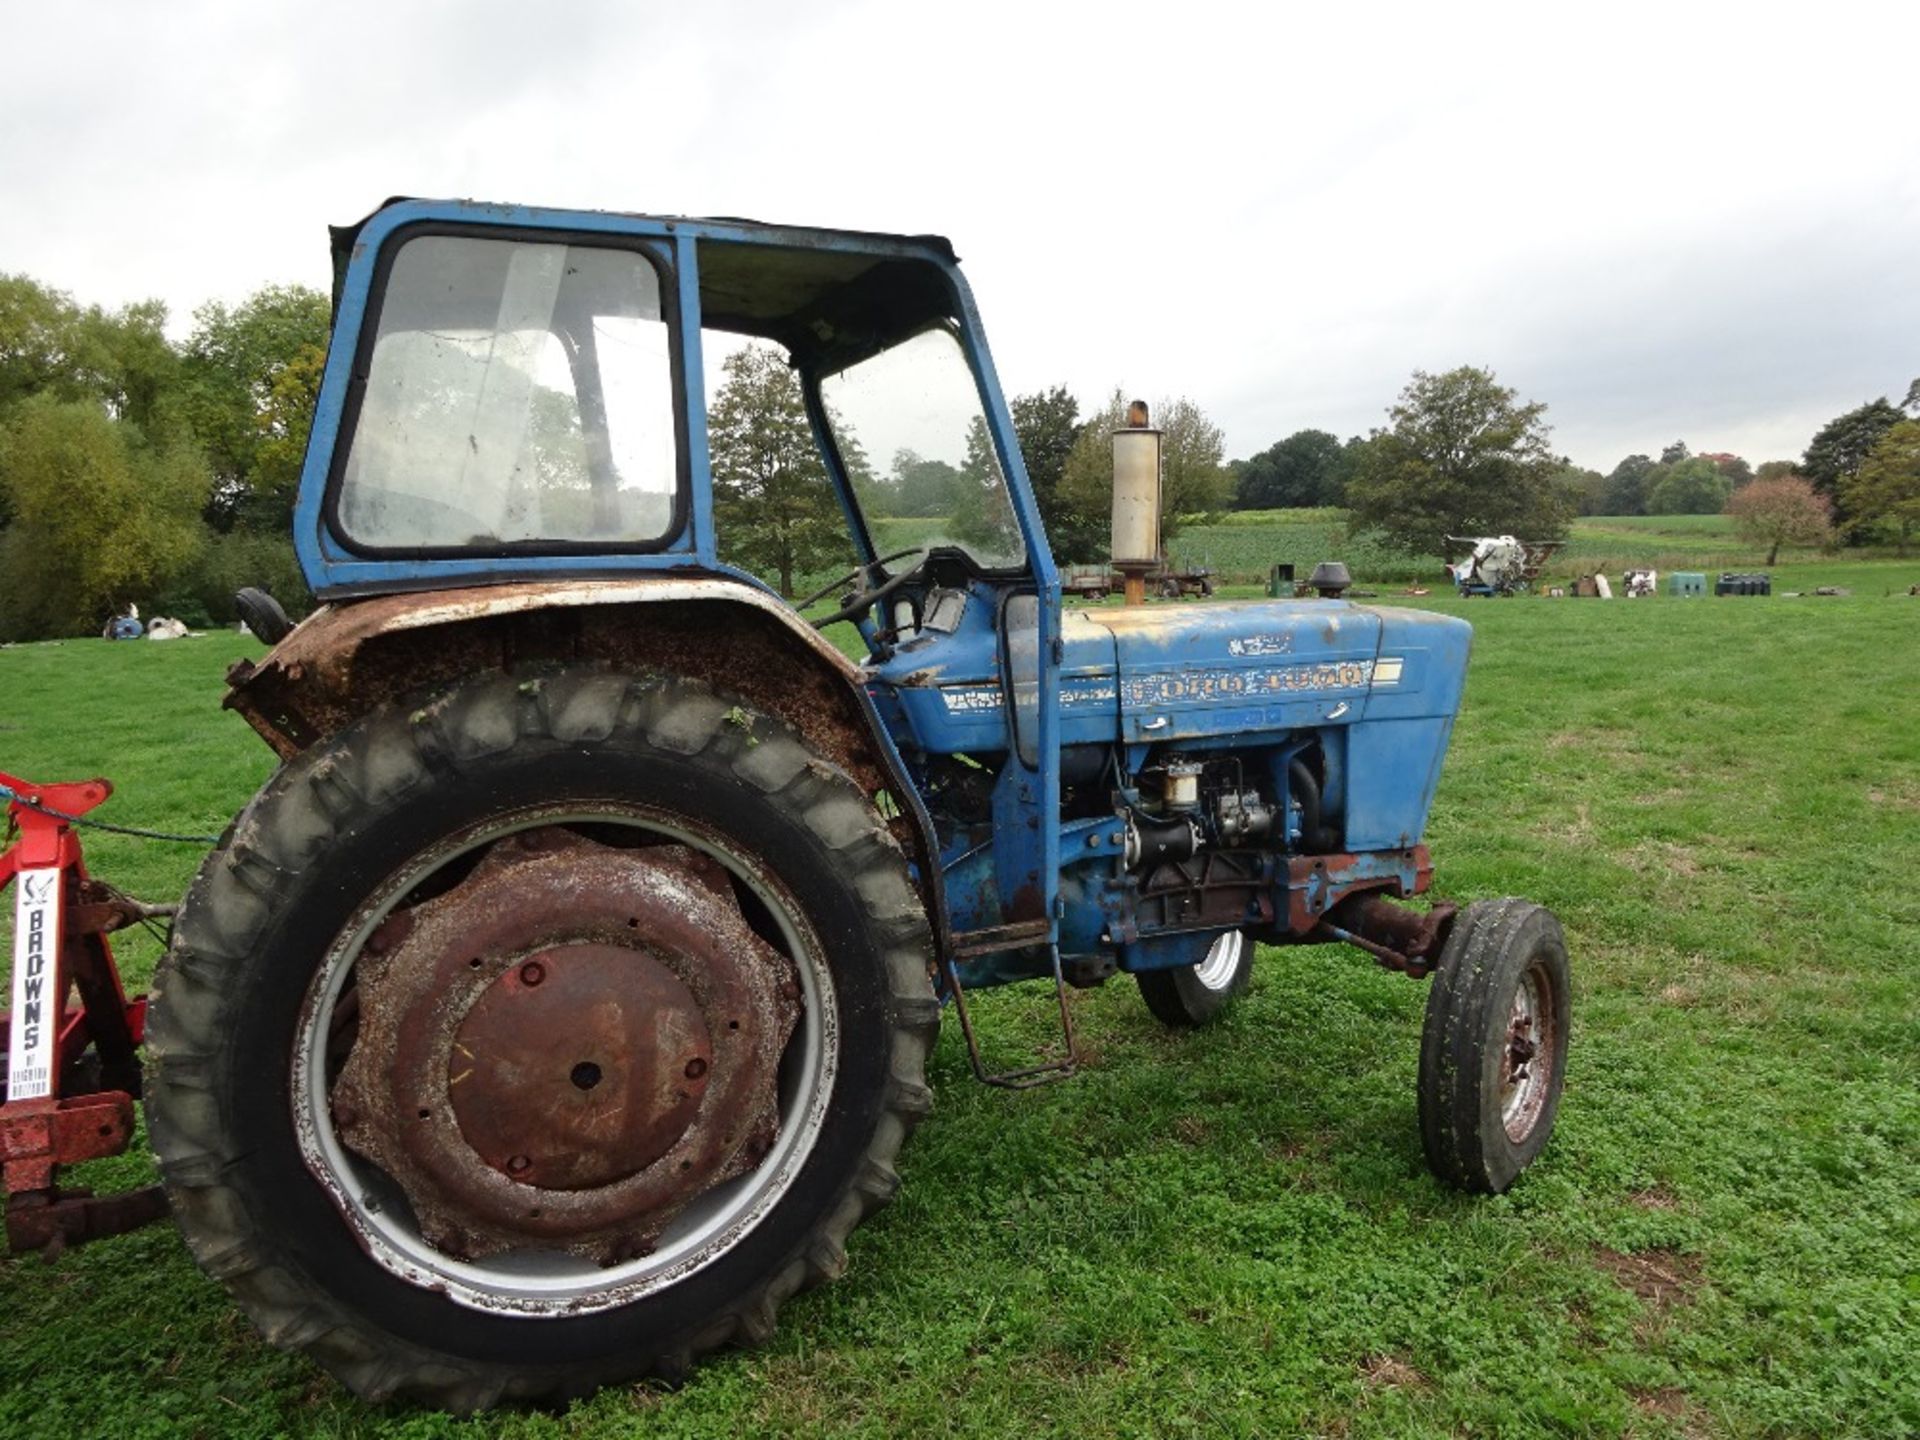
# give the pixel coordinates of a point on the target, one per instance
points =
(1687, 582)
(1280, 582)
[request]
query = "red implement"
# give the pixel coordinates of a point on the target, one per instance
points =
(72, 1070)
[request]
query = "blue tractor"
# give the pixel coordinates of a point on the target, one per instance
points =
(560, 1005)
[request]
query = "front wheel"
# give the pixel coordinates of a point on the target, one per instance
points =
(1199, 994)
(544, 1035)
(1493, 1052)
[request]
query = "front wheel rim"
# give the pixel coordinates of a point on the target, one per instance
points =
(1216, 972)
(1529, 1046)
(539, 1282)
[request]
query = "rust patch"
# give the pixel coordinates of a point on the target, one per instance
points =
(346, 659)
(565, 1048)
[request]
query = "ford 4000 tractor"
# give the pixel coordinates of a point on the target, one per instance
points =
(562, 1002)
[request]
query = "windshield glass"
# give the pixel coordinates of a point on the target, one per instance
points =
(517, 393)
(912, 434)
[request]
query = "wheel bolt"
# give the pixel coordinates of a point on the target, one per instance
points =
(696, 1067)
(519, 1165)
(532, 973)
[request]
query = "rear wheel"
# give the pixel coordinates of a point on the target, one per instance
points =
(1199, 994)
(546, 1035)
(1493, 1051)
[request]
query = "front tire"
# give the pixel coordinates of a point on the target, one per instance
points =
(1493, 1050)
(1199, 994)
(381, 1259)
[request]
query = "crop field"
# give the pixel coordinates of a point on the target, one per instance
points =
(1232, 1232)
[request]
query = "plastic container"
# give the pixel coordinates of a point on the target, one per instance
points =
(1687, 582)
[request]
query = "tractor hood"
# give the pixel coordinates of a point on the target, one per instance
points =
(1239, 667)
(1184, 672)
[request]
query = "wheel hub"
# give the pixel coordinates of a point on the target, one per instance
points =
(1523, 1084)
(579, 1066)
(566, 1047)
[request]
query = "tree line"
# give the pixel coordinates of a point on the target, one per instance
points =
(134, 469)
(1465, 455)
(138, 469)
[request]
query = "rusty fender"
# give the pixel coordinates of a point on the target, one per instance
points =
(352, 655)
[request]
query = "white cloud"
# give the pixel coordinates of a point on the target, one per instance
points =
(1662, 220)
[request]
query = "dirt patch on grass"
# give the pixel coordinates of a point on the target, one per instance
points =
(1662, 858)
(1192, 1130)
(1391, 1372)
(1900, 795)
(1575, 829)
(1671, 1404)
(1656, 1197)
(1662, 1278)
(1614, 743)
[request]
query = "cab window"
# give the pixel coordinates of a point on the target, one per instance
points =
(516, 395)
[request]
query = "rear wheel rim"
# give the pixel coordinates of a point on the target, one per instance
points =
(538, 1281)
(1216, 972)
(1528, 1047)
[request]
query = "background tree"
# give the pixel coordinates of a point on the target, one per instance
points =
(1780, 510)
(98, 517)
(1840, 448)
(914, 487)
(1675, 453)
(1885, 490)
(983, 517)
(774, 509)
(236, 397)
(1047, 423)
(1308, 468)
(1464, 456)
(1193, 480)
(1774, 469)
(1912, 402)
(1627, 486)
(1588, 490)
(1737, 470)
(1694, 486)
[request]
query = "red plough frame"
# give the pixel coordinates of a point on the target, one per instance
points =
(72, 1062)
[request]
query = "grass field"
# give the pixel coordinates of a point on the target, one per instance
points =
(1232, 1232)
(1246, 544)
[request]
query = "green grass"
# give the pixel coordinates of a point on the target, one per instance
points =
(1232, 1232)
(1244, 545)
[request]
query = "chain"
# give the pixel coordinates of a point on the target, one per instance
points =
(29, 803)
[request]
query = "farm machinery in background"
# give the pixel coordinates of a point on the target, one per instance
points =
(1500, 564)
(1169, 582)
(560, 1005)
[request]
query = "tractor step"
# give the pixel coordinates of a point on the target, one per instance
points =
(970, 944)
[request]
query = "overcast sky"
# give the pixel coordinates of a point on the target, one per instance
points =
(1665, 221)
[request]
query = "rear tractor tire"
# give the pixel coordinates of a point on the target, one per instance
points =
(545, 1035)
(1493, 1051)
(1199, 994)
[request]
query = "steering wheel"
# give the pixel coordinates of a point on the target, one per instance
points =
(860, 601)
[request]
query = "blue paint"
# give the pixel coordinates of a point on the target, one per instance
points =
(1253, 691)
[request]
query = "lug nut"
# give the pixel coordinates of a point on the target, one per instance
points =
(519, 1165)
(532, 973)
